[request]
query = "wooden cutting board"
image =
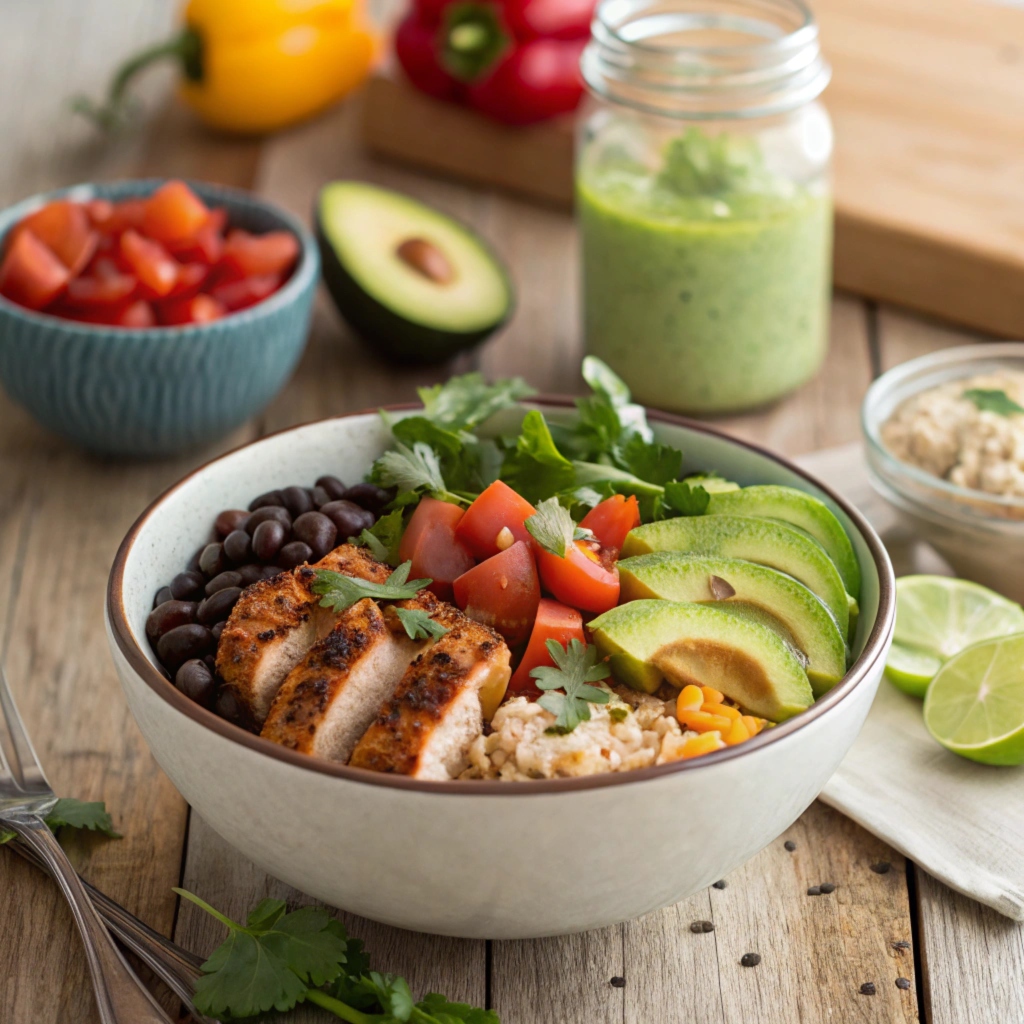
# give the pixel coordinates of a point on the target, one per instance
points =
(928, 104)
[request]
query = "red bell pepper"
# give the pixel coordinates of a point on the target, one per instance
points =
(516, 61)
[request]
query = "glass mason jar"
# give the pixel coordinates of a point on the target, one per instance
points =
(703, 192)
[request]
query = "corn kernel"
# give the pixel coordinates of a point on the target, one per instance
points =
(711, 695)
(754, 725)
(721, 709)
(690, 699)
(701, 745)
(738, 733)
(505, 539)
(701, 721)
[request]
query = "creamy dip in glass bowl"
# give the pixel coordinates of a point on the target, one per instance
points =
(916, 427)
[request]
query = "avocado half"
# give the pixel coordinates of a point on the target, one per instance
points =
(411, 281)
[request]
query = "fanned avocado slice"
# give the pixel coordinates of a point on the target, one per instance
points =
(799, 509)
(646, 641)
(764, 541)
(411, 281)
(753, 591)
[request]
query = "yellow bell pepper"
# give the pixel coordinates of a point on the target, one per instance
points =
(254, 66)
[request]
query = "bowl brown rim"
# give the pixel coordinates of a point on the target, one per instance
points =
(856, 674)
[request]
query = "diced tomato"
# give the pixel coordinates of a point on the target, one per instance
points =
(429, 541)
(612, 519)
(205, 246)
(64, 228)
(89, 291)
(580, 578)
(502, 592)
(137, 314)
(272, 253)
(246, 291)
(99, 212)
(554, 622)
(498, 506)
(155, 269)
(191, 277)
(126, 215)
(196, 309)
(173, 212)
(31, 274)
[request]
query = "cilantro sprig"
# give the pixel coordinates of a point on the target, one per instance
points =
(992, 400)
(467, 401)
(419, 625)
(279, 959)
(576, 666)
(79, 814)
(553, 529)
(338, 591)
(415, 471)
(383, 537)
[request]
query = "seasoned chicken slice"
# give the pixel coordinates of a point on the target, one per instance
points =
(276, 621)
(425, 730)
(332, 695)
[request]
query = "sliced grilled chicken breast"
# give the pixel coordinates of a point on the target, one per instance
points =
(276, 621)
(425, 730)
(327, 701)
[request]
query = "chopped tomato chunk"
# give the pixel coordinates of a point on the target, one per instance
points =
(31, 274)
(155, 269)
(99, 212)
(196, 309)
(191, 277)
(502, 592)
(272, 253)
(496, 508)
(580, 579)
(612, 519)
(429, 542)
(137, 314)
(554, 622)
(246, 291)
(127, 214)
(173, 212)
(63, 227)
(89, 291)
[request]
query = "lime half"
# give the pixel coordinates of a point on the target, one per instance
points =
(936, 618)
(975, 705)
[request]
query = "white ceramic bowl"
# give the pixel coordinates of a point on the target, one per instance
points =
(477, 859)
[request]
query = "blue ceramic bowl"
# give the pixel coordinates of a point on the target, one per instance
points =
(161, 390)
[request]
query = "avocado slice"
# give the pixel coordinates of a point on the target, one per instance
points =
(711, 483)
(751, 664)
(797, 508)
(752, 591)
(764, 541)
(411, 281)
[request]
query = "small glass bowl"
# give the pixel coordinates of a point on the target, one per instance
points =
(981, 535)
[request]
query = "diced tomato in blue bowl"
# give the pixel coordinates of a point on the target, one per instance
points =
(154, 384)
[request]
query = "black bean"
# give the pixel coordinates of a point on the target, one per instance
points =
(268, 539)
(699, 927)
(618, 981)
(169, 615)
(348, 517)
(223, 581)
(277, 513)
(320, 497)
(868, 988)
(163, 594)
(750, 959)
(180, 644)
(193, 563)
(229, 520)
(815, 890)
(332, 485)
(269, 498)
(297, 500)
(249, 574)
(827, 887)
(294, 554)
(187, 585)
(316, 530)
(238, 547)
(903, 983)
(196, 681)
(212, 560)
(210, 661)
(881, 868)
(370, 496)
(789, 845)
(227, 705)
(217, 629)
(218, 606)
(720, 884)
(270, 571)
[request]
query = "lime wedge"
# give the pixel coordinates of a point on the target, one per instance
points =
(975, 704)
(936, 618)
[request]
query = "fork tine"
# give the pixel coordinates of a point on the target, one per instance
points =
(28, 767)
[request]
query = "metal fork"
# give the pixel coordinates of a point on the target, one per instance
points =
(25, 799)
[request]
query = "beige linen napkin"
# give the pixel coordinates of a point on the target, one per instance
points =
(962, 822)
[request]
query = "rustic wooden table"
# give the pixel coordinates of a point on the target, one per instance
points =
(62, 515)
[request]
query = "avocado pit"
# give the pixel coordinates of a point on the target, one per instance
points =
(426, 259)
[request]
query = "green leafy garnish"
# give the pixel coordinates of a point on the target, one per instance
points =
(467, 401)
(414, 471)
(81, 814)
(419, 625)
(604, 381)
(552, 527)
(683, 499)
(383, 537)
(992, 400)
(652, 462)
(619, 713)
(536, 468)
(577, 666)
(339, 591)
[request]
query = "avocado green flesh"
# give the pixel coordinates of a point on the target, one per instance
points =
(799, 509)
(698, 643)
(761, 594)
(763, 541)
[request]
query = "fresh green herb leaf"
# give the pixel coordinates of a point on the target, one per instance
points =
(410, 469)
(992, 400)
(603, 380)
(597, 430)
(619, 713)
(596, 474)
(552, 527)
(340, 592)
(444, 1012)
(383, 537)
(536, 468)
(576, 666)
(466, 401)
(683, 499)
(70, 813)
(650, 461)
(419, 625)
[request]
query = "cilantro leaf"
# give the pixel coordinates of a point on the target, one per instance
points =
(419, 625)
(81, 814)
(650, 461)
(536, 468)
(577, 665)
(442, 1011)
(603, 380)
(992, 400)
(414, 471)
(383, 537)
(340, 592)
(552, 527)
(467, 401)
(683, 499)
